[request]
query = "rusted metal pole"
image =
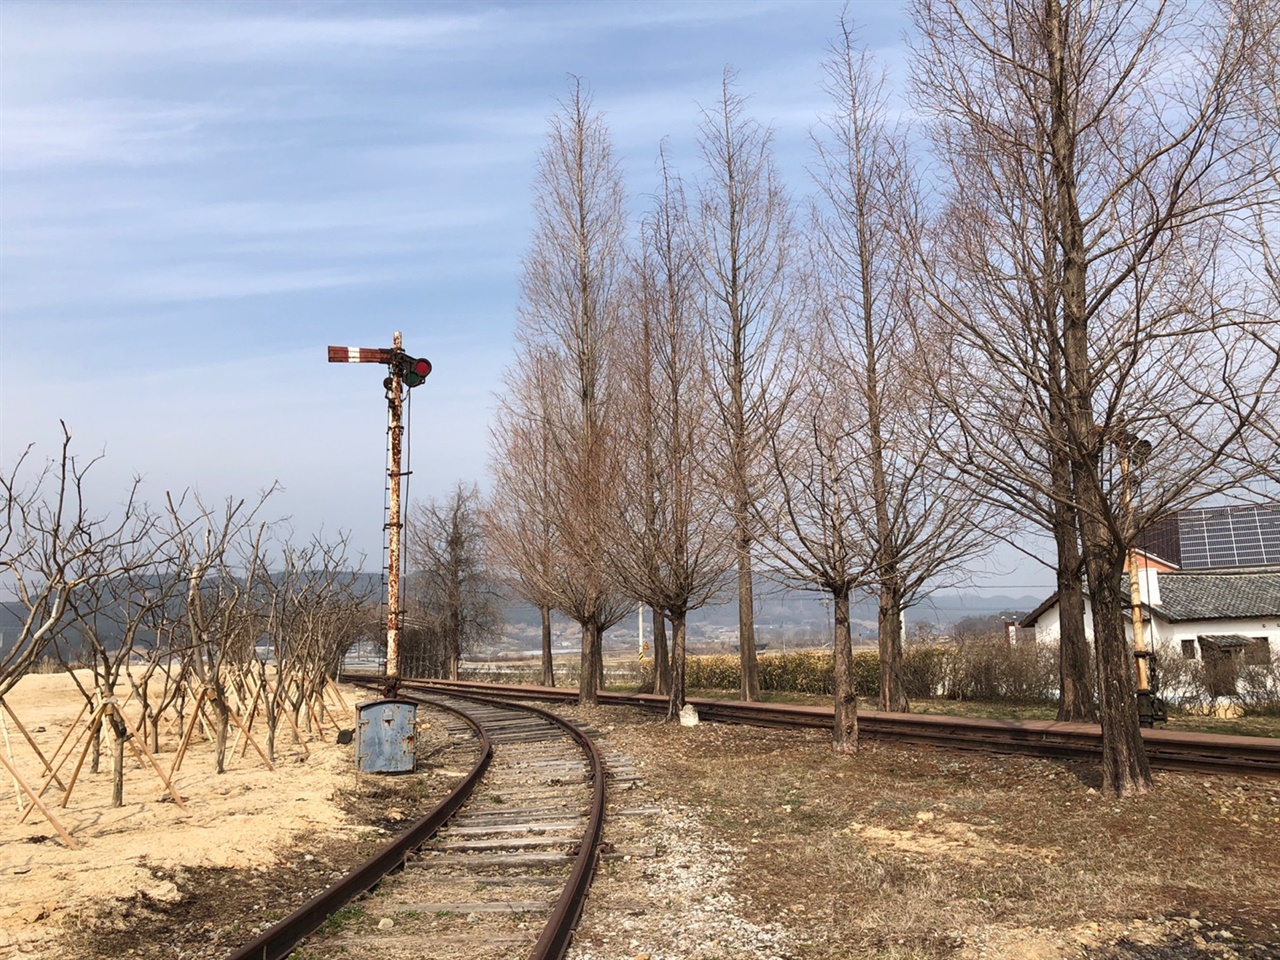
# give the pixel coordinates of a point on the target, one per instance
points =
(1140, 652)
(395, 429)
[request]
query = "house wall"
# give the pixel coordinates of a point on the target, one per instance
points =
(1049, 624)
(1166, 638)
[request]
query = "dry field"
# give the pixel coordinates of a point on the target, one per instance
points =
(763, 844)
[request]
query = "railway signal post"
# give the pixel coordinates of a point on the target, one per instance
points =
(403, 371)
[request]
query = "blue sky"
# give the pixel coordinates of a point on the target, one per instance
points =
(197, 198)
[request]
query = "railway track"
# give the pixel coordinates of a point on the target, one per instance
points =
(1166, 749)
(499, 869)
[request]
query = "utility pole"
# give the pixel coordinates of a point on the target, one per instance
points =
(395, 431)
(402, 370)
(1134, 453)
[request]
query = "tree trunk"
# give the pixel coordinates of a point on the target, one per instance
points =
(750, 686)
(675, 696)
(1124, 760)
(548, 678)
(844, 730)
(591, 665)
(118, 734)
(1077, 702)
(95, 752)
(222, 713)
(1125, 770)
(661, 661)
(893, 695)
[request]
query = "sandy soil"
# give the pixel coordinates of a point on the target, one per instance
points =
(244, 818)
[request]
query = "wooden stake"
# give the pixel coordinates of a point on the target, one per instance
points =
(235, 717)
(140, 747)
(70, 752)
(94, 722)
(13, 716)
(39, 804)
(297, 734)
(196, 709)
(330, 685)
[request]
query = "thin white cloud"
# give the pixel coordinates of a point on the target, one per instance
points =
(107, 132)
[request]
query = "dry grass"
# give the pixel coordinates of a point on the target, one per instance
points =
(915, 853)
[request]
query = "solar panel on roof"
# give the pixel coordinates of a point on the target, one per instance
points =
(1229, 536)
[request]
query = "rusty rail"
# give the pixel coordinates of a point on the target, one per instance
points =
(1166, 749)
(278, 941)
(554, 941)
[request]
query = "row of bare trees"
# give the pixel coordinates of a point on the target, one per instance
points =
(196, 613)
(1065, 330)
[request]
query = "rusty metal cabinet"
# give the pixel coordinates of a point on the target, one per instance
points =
(385, 737)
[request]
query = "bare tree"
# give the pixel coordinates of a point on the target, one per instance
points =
(922, 524)
(219, 586)
(742, 238)
(74, 573)
(454, 594)
(519, 524)
(53, 547)
(569, 315)
(811, 523)
(1090, 179)
(310, 605)
(107, 622)
(672, 548)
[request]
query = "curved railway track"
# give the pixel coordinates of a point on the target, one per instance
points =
(1166, 749)
(499, 869)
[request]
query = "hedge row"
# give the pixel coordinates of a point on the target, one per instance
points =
(812, 671)
(988, 670)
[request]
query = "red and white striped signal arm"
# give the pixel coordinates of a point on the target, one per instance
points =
(359, 355)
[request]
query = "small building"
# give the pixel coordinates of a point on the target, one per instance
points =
(1211, 573)
(1195, 614)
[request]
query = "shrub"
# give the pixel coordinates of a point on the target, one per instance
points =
(813, 672)
(1196, 686)
(993, 670)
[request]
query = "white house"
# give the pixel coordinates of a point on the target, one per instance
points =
(1190, 613)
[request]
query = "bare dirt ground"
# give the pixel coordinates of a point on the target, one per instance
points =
(739, 843)
(247, 838)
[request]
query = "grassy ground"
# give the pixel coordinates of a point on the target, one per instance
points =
(903, 853)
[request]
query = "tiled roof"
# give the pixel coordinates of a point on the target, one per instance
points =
(1184, 595)
(1224, 640)
(1217, 596)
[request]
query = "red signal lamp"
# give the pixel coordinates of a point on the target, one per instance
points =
(412, 370)
(416, 370)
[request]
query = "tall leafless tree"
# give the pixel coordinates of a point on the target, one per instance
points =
(921, 524)
(454, 595)
(811, 524)
(1094, 150)
(520, 527)
(672, 548)
(743, 241)
(569, 315)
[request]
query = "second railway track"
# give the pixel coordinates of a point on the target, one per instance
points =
(504, 877)
(1166, 749)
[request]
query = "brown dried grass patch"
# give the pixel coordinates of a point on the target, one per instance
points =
(898, 852)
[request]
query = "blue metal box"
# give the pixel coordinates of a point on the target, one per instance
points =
(385, 736)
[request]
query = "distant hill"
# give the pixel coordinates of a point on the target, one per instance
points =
(784, 614)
